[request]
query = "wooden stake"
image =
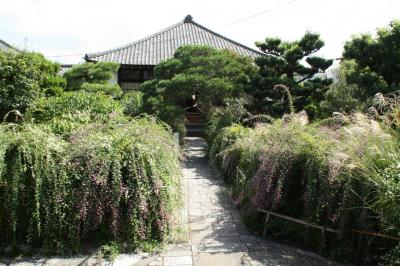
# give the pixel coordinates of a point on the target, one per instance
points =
(265, 225)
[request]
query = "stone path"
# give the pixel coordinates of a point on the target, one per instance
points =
(217, 235)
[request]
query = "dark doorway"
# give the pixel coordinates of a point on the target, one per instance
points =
(191, 105)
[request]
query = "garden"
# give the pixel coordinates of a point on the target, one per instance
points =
(311, 148)
(74, 169)
(82, 162)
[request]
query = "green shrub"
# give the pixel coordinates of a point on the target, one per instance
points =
(220, 117)
(113, 90)
(111, 250)
(24, 77)
(226, 138)
(96, 104)
(344, 177)
(70, 110)
(132, 103)
(89, 73)
(107, 182)
(173, 115)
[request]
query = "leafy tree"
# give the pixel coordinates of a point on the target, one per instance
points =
(210, 74)
(93, 77)
(342, 96)
(376, 61)
(283, 63)
(25, 76)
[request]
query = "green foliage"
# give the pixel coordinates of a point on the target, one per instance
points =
(111, 250)
(377, 60)
(113, 90)
(77, 169)
(226, 137)
(342, 96)
(283, 64)
(210, 74)
(70, 110)
(219, 117)
(107, 181)
(380, 170)
(174, 116)
(392, 258)
(93, 77)
(132, 103)
(154, 103)
(24, 77)
(343, 176)
(45, 109)
(370, 66)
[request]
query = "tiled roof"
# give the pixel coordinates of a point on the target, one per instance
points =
(162, 45)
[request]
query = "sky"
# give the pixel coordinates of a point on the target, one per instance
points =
(64, 30)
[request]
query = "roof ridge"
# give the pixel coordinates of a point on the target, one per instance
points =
(138, 41)
(201, 31)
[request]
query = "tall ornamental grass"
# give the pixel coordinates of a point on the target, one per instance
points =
(342, 176)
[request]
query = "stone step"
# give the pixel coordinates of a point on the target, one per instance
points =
(194, 117)
(195, 132)
(194, 125)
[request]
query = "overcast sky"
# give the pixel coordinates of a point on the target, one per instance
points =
(75, 27)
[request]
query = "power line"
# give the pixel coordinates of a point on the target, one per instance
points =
(257, 14)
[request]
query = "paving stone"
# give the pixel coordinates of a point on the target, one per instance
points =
(180, 260)
(199, 226)
(217, 235)
(196, 212)
(219, 259)
(211, 236)
(155, 263)
(177, 253)
(219, 247)
(126, 260)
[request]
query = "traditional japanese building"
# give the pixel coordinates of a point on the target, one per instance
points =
(139, 58)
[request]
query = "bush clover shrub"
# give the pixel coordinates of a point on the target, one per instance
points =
(110, 182)
(344, 177)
